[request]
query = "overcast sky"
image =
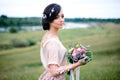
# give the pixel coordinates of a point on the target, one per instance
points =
(71, 8)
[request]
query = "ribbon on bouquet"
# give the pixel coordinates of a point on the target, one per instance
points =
(71, 75)
(77, 74)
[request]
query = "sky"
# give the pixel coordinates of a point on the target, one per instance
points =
(71, 8)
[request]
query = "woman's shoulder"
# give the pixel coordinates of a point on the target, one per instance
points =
(51, 41)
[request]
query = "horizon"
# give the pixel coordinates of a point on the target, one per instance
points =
(64, 18)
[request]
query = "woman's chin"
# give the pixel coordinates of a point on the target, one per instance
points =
(61, 27)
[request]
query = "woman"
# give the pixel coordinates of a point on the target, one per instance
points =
(52, 50)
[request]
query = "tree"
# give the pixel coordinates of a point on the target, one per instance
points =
(4, 16)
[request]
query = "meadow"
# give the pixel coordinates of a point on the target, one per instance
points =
(25, 64)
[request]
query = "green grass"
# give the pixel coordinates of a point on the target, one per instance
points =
(25, 64)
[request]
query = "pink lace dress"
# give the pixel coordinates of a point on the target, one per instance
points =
(52, 52)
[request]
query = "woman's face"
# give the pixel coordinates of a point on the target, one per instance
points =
(59, 21)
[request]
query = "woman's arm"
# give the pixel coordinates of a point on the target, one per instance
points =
(58, 70)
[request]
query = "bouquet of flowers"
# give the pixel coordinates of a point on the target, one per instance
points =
(79, 52)
(75, 54)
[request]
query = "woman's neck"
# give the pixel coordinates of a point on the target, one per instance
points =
(53, 31)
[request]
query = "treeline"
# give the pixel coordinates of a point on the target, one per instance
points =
(34, 21)
(11, 21)
(92, 20)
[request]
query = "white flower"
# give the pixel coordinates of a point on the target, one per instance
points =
(52, 10)
(44, 16)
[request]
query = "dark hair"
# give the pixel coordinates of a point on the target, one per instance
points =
(50, 13)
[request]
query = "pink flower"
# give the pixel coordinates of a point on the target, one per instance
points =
(78, 52)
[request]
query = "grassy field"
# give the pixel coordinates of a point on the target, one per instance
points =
(25, 64)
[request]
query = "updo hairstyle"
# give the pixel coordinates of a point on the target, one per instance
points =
(50, 13)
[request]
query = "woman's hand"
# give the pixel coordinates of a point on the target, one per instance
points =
(83, 61)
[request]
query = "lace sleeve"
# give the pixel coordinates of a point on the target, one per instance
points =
(56, 70)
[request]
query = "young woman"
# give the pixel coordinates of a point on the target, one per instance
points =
(52, 50)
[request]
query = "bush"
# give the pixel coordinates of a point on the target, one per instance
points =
(13, 30)
(31, 42)
(19, 43)
(5, 46)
